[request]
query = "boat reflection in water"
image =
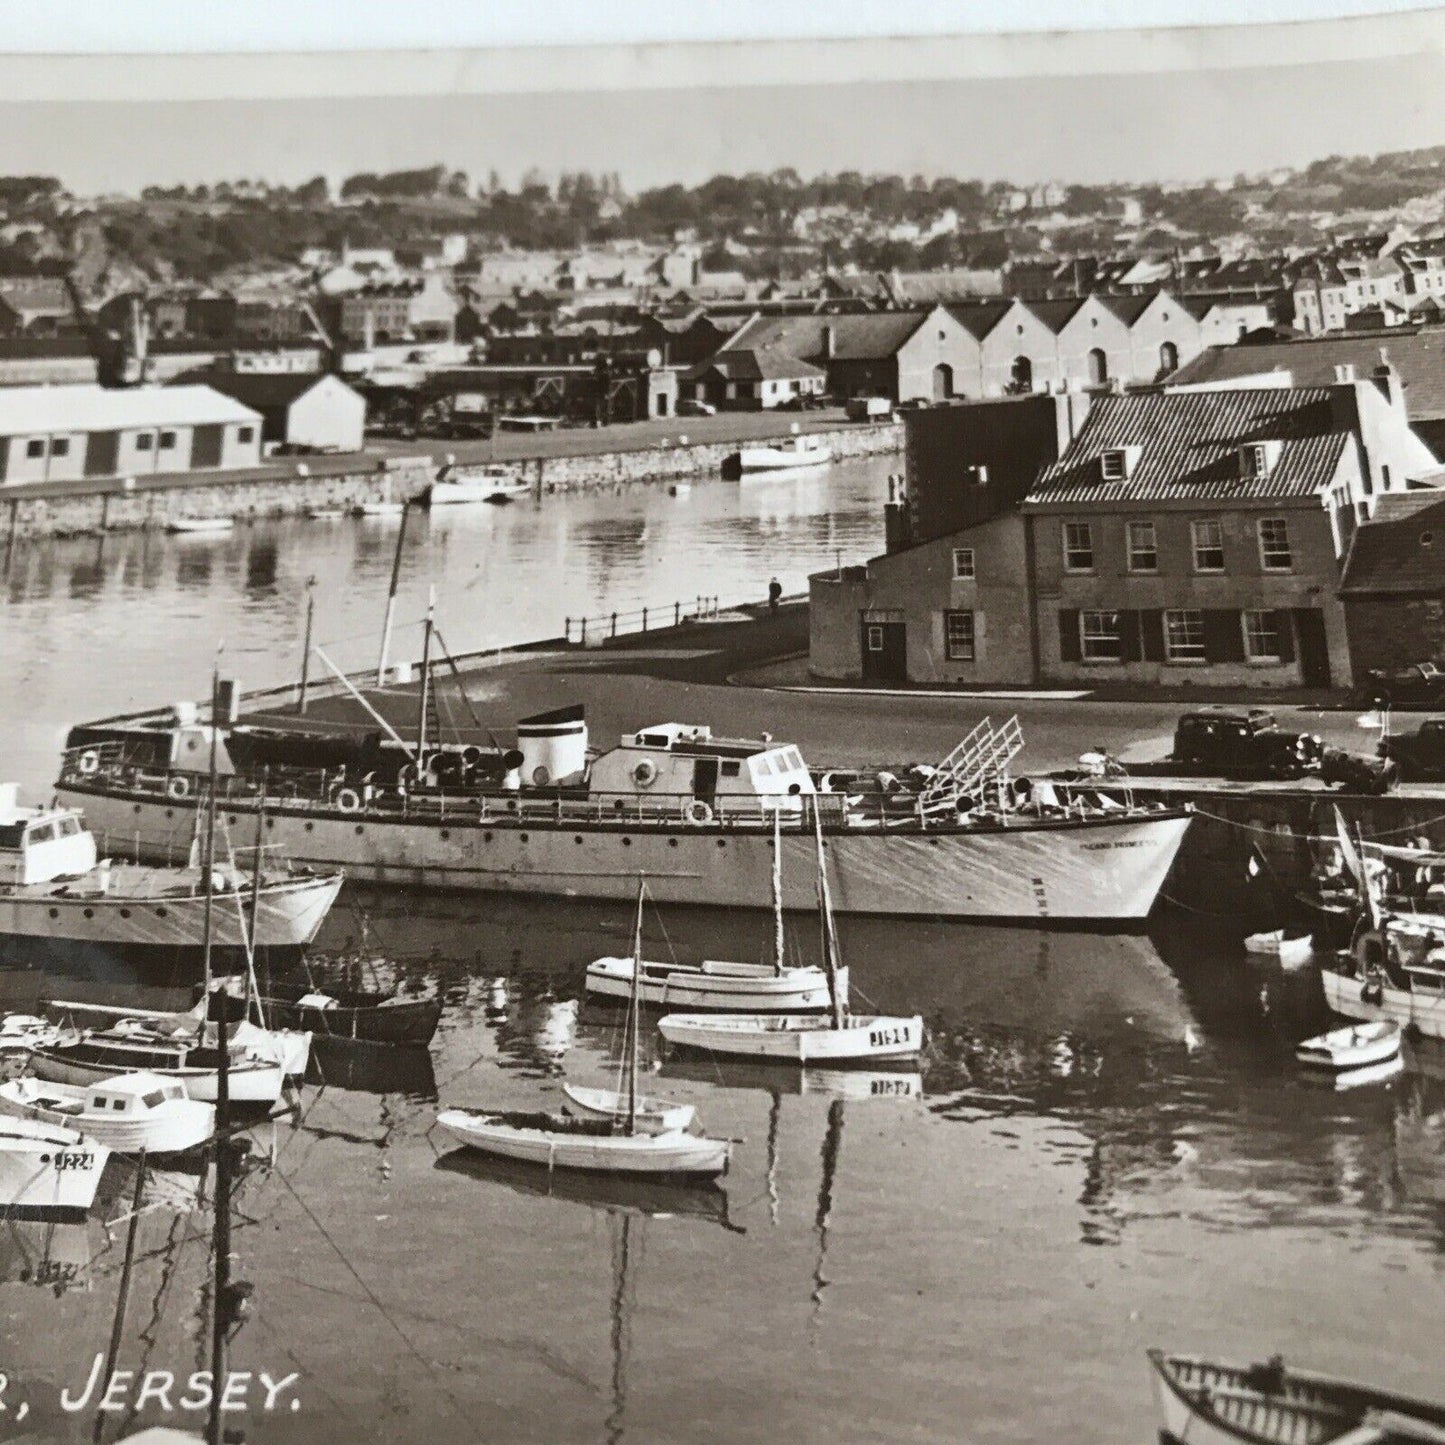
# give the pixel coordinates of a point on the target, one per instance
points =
(48, 1255)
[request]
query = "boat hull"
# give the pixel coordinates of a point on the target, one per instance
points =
(654, 1116)
(1098, 871)
(140, 918)
(798, 990)
(671, 1153)
(249, 1083)
(1361, 1047)
(47, 1171)
(796, 1040)
(1408, 1008)
(412, 1021)
(172, 1128)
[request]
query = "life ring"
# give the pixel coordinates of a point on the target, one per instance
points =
(178, 787)
(1368, 951)
(697, 812)
(348, 800)
(541, 776)
(89, 762)
(645, 773)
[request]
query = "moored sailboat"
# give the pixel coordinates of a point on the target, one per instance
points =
(839, 1037)
(47, 1169)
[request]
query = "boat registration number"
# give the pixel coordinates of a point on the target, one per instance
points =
(74, 1159)
(881, 1038)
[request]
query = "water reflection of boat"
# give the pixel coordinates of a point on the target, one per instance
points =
(829, 1083)
(46, 1254)
(613, 1193)
(1420, 1138)
(370, 1068)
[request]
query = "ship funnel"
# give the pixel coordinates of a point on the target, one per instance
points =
(553, 746)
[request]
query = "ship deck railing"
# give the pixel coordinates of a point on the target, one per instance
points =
(337, 792)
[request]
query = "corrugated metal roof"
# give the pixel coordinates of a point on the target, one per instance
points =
(34, 410)
(1190, 447)
(1391, 555)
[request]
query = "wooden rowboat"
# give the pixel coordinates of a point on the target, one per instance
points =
(1359, 1046)
(1290, 949)
(1204, 1403)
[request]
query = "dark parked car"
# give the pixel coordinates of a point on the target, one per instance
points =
(1231, 743)
(1419, 754)
(1420, 685)
(804, 401)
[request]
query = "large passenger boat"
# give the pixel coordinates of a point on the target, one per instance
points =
(691, 812)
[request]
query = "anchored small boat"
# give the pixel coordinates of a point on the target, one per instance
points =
(47, 1170)
(616, 1131)
(1360, 1046)
(838, 1037)
(128, 1113)
(778, 456)
(1395, 970)
(188, 525)
(1201, 1402)
(378, 509)
(20, 1033)
(459, 486)
(717, 984)
(1291, 949)
(370, 1016)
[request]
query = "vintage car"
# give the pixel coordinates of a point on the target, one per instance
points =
(1420, 685)
(1420, 755)
(1239, 743)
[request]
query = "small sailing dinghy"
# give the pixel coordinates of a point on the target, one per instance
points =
(47, 1170)
(837, 1037)
(1291, 949)
(1361, 1046)
(717, 984)
(127, 1114)
(1205, 1403)
(618, 1131)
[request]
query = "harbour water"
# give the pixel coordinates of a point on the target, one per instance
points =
(1108, 1145)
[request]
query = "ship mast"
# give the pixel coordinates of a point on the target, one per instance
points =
(633, 1014)
(431, 603)
(778, 892)
(825, 911)
(391, 597)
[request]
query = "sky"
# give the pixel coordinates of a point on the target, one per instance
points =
(1166, 105)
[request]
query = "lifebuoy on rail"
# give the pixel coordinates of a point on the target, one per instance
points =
(348, 800)
(178, 786)
(645, 773)
(89, 762)
(1368, 951)
(697, 812)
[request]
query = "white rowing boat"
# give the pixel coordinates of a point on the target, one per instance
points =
(1359, 1046)
(1292, 950)
(1201, 1402)
(47, 1170)
(189, 525)
(127, 1114)
(654, 1116)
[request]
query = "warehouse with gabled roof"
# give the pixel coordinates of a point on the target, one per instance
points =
(65, 433)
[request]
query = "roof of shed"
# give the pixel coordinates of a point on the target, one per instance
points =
(32, 410)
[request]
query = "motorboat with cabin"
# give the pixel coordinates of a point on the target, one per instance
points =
(781, 456)
(691, 810)
(129, 1114)
(461, 485)
(60, 902)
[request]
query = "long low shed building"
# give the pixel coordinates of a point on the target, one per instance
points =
(65, 433)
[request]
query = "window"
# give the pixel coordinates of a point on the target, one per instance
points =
(1385, 478)
(1184, 635)
(1208, 546)
(875, 639)
(143, 441)
(963, 564)
(168, 441)
(1143, 547)
(1274, 553)
(1078, 547)
(1100, 639)
(35, 448)
(958, 636)
(245, 433)
(1261, 636)
(60, 446)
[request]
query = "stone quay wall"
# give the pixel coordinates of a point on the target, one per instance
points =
(109, 504)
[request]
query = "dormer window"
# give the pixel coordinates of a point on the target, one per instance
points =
(1117, 464)
(1258, 459)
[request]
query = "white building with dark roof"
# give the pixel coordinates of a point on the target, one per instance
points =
(65, 433)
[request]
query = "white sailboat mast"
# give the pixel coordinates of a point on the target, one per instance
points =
(825, 911)
(778, 942)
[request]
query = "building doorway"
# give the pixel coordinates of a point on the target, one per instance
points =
(942, 382)
(885, 650)
(1021, 375)
(704, 780)
(1312, 647)
(1098, 367)
(1168, 359)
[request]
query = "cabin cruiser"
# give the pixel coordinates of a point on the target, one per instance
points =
(692, 811)
(60, 901)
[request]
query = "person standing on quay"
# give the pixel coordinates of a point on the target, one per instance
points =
(775, 593)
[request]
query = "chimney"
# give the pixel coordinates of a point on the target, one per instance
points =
(829, 343)
(1388, 380)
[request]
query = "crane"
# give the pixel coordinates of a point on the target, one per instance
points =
(119, 350)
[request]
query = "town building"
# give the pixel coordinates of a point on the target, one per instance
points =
(1393, 586)
(318, 411)
(63, 433)
(745, 378)
(421, 310)
(35, 306)
(1181, 537)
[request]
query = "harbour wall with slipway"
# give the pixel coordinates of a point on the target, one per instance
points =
(340, 483)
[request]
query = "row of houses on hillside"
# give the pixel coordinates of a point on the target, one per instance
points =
(1173, 536)
(1005, 347)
